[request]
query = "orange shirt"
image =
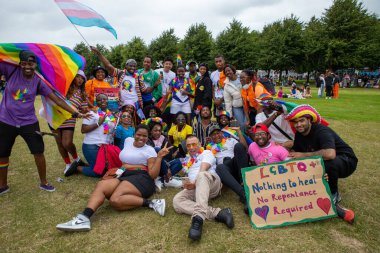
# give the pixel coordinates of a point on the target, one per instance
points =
(249, 98)
(260, 89)
(222, 78)
(94, 83)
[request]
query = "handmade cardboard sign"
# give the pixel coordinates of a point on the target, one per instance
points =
(112, 94)
(287, 193)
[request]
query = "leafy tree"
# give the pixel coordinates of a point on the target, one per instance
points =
(197, 44)
(166, 45)
(117, 55)
(91, 59)
(135, 49)
(235, 44)
(347, 28)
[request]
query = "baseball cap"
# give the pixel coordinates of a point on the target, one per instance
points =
(214, 128)
(26, 54)
(262, 127)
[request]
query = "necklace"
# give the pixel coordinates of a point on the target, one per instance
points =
(109, 117)
(216, 147)
(189, 161)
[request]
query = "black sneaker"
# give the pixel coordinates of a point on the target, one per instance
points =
(81, 163)
(225, 216)
(336, 197)
(195, 231)
(72, 169)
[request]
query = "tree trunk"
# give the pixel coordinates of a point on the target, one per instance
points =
(308, 76)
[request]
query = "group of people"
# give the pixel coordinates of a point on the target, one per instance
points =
(164, 129)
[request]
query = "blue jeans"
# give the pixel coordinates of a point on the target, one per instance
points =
(175, 167)
(90, 152)
(238, 113)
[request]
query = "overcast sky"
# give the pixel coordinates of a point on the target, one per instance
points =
(41, 21)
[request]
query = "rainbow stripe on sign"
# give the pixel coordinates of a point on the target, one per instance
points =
(80, 14)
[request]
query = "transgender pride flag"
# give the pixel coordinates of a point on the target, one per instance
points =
(80, 14)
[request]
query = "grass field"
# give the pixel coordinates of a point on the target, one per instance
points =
(28, 215)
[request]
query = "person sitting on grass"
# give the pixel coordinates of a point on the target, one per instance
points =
(231, 157)
(124, 129)
(98, 130)
(131, 185)
(315, 139)
(17, 115)
(203, 185)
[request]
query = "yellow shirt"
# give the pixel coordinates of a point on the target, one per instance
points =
(178, 137)
(94, 83)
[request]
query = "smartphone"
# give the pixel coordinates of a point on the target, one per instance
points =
(234, 123)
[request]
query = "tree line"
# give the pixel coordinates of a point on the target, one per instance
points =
(346, 36)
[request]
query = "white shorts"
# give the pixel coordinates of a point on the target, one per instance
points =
(180, 107)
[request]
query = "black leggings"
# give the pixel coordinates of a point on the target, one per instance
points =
(230, 171)
(340, 167)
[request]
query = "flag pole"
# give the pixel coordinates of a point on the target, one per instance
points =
(81, 34)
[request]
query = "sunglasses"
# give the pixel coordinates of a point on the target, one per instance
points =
(181, 120)
(260, 134)
(191, 145)
(125, 116)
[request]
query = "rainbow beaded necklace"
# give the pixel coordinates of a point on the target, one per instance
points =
(216, 147)
(109, 117)
(189, 161)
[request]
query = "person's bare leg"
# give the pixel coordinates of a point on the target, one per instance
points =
(103, 190)
(58, 140)
(4, 162)
(126, 196)
(41, 167)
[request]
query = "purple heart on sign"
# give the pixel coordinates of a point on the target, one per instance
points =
(262, 212)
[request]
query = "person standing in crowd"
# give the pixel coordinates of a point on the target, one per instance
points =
(247, 80)
(166, 75)
(99, 74)
(202, 127)
(203, 91)
(232, 95)
(203, 185)
(336, 86)
(329, 84)
(128, 81)
(193, 75)
(124, 130)
(98, 131)
(151, 80)
(65, 133)
(181, 93)
(218, 77)
(279, 128)
(18, 117)
(314, 139)
(322, 85)
(129, 189)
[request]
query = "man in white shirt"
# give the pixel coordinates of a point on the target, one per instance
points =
(203, 185)
(167, 74)
(218, 77)
(279, 128)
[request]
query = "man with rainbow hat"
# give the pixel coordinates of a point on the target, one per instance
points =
(314, 138)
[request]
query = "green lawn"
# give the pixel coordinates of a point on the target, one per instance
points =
(28, 216)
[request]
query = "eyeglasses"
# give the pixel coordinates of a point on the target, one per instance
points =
(260, 134)
(191, 145)
(27, 63)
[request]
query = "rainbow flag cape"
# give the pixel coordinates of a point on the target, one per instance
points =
(80, 14)
(179, 60)
(57, 67)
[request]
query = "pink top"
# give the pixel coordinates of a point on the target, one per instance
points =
(270, 154)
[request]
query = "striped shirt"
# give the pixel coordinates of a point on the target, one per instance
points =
(78, 103)
(201, 132)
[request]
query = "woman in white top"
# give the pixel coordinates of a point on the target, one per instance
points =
(132, 185)
(232, 95)
(98, 130)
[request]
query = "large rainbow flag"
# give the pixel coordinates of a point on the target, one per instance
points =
(57, 67)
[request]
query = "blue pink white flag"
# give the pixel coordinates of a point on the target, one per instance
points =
(80, 14)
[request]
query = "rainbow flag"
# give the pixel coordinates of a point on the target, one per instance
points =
(80, 14)
(57, 67)
(179, 60)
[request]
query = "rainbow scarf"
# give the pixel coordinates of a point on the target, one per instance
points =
(136, 76)
(216, 147)
(57, 66)
(177, 86)
(189, 161)
(109, 118)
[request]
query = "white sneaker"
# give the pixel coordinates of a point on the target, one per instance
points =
(159, 206)
(66, 168)
(158, 184)
(176, 183)
(79, 223)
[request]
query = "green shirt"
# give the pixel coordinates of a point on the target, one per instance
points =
(150, 78)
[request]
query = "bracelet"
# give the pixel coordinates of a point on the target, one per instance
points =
(75, 115)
